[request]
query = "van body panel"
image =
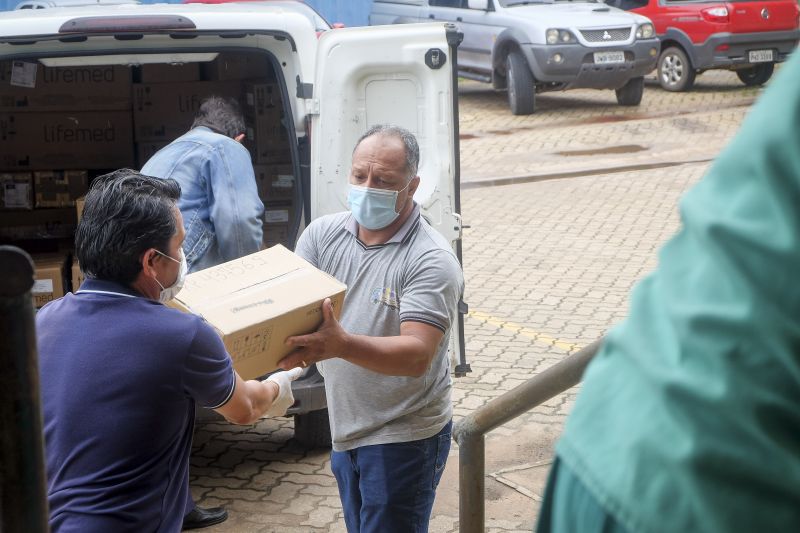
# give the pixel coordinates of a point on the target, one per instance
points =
(391, 83)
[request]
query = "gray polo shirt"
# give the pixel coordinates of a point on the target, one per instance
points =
(414, 277)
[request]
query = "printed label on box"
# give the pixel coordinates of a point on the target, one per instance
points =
(276, 216)
(42, 286)
(23, 74)
(16, 195)
(283, 181)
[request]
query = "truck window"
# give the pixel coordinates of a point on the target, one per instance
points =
(448, 3)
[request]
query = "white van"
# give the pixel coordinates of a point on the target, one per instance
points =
(325, 91)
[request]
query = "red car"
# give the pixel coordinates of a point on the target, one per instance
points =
(747, 36)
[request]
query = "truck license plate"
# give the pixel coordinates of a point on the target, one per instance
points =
(759, 56)
(604, 58)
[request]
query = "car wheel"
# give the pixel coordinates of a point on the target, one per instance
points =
(520, 85)
(675, 72)
(756, 75)
(313, 430)
(631, 93)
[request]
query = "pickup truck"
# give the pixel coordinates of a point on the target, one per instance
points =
(746, 36)
(533, 46)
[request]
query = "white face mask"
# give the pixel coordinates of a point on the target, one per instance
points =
(168, 293)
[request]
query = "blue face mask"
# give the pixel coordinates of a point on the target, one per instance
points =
(373, 209)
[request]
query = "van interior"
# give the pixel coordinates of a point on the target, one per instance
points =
(64, 121)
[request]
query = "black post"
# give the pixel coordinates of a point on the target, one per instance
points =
(23, 500)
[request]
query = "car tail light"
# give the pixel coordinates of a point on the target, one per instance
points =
(723, 48)
(716, 14)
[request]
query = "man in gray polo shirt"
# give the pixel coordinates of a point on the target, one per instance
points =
(386, 369)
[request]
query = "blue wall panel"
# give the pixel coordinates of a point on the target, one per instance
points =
(348, 12)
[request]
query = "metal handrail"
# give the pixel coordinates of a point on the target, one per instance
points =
(469, 432)
(23, 499)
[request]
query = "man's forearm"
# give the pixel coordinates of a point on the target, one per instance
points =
(394, 356)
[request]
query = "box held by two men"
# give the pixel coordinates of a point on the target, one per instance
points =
(257, 301)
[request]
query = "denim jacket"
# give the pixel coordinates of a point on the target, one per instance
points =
(222, 213)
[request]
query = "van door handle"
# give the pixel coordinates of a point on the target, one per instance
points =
(458, 19)
(431, 16)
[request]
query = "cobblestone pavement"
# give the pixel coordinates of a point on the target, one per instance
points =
(548, 264)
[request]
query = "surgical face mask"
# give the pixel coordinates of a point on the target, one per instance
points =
(168, 293)
(373, 209)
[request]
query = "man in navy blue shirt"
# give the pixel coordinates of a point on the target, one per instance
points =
(121, 372)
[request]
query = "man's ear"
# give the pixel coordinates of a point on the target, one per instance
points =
(147, 259)
(413, 185)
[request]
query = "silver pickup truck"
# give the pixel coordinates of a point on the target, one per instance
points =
(530, 46)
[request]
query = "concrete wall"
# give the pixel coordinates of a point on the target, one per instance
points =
(348, 12)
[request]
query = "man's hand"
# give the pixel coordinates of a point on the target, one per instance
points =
(327, 342)
(284, 399)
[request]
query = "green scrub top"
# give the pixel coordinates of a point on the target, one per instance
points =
(689, 418)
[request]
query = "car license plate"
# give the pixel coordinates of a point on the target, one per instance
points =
(604, 58)
(759, 56)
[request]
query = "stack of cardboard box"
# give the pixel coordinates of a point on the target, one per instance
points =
(70, 118)
(268, 141)
(57, 125)
(62, 126)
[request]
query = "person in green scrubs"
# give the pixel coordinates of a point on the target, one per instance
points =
(689, 417)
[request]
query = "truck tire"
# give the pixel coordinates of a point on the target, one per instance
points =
(756, 75)
(313, 430)
(631, 93)
(675, 71)
(521, 95)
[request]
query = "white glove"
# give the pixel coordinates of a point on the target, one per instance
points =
(285, 398)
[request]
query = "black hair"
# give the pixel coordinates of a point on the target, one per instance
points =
(220, 115)
(408, 139)
(125, 214)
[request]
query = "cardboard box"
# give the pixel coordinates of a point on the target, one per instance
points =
(268, 143)
(147, 149)
(275, 234)
(77, 275)
(16, 190)
(266, 136)
(79, 203)
(163, 73)
(237, 66)
(37, 224)
(165, 111)
(278, 213)
(28, 85)
(257, 301)
(56, 188)
(48, 278)
(65, 140)
(275, 182)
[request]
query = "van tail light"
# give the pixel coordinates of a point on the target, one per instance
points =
(124, 23)
(716, 14)
(722, 48)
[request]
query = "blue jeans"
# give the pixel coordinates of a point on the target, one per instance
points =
(390, 487)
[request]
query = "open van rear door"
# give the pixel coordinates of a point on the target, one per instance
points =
(403, 75)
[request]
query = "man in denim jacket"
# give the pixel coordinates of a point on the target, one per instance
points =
(219, 201)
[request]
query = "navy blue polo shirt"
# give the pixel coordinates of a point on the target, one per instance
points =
(120, 375)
